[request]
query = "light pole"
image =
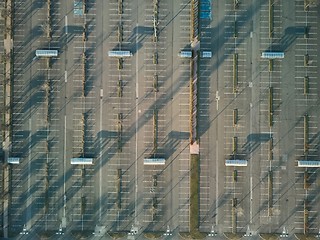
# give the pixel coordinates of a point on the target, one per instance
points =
(133, 231)
(60, 232)
(284, 233)
(248, 232)
(212, 233)
(24, 230)
(168, 232)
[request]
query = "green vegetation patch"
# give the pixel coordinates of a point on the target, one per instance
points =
(194, 193)
(117, 235)
(78, 234)
(46, 234)
(234, 236)
(153, 235)
(198, 235)
(184, 235)
(193, 235)
(269, 236)
(305, 236)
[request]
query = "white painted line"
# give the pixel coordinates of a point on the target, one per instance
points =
(250, 130)
(64, 167)
(66, 24)
(137, 116)
(29, 201)
(65, 76)
(100, 158)
(217, 185)
(251, 195)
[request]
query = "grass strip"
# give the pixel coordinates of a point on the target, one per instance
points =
(194, 198)
(233, 236)
(78, 234)
(194, 235)
(46, 234)
(269, 236)
(117, 235)
(153, 235)
(194, 193)
(301, 236)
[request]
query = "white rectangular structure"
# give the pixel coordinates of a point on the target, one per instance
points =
(81, 161)
(185, 54)
(13, 160)
(272, 55)
(236, 163)
(154, 161)
(206, 54)
(119, 54)
(46, 53)
(307, 163)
